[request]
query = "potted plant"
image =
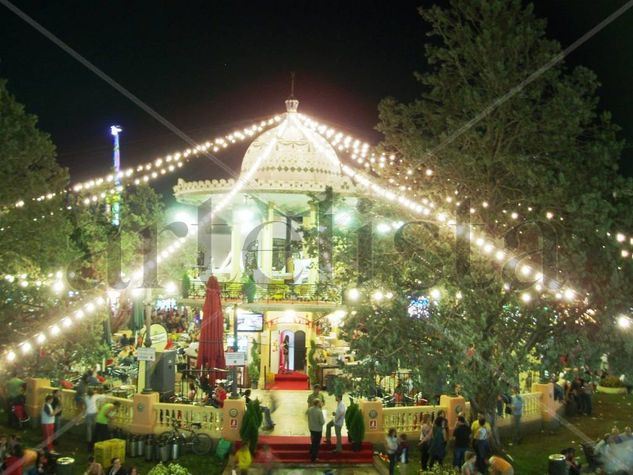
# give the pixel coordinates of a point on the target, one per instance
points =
(355, 426)
(312, 364)
(611, 385)
(185, 285)
(171, 469)
(249, 431)
(254, 364)
(249, 288)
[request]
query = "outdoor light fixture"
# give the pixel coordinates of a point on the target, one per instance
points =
(353, 294)
(383, 228)
(378, 295)
(343, 218)
(58, 286)
(624, 322)
(171, 288)
(435, 294)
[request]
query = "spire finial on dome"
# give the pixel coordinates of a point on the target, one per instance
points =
(291, 103)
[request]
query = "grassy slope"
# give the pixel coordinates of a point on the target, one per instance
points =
(530, 458)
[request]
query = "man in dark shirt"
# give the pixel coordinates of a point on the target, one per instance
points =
(461, 434)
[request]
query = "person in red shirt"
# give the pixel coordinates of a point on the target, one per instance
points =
(14, 463)
(220, 395)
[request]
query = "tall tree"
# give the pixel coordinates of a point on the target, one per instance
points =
(546, 153)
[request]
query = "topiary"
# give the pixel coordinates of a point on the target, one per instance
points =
(249, 431)
(356, 427)
(253, 366)
(312, 364)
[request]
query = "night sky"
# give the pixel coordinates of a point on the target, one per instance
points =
(211, 66)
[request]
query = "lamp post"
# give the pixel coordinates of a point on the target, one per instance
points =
(115, 130)
(234, 394)
(147, 341)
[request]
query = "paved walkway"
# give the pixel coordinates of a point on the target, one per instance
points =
(290, 416)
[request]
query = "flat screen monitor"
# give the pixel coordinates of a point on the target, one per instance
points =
(249, 321)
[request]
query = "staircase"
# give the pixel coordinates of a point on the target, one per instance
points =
(292, 380)
(296, 451)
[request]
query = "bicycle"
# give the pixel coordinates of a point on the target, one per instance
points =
(199, 442)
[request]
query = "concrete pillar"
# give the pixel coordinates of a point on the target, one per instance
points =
(143, 417)
(374, 422)
(236, 247)
(548, 405)
(33, 402)
(455, 405)
(232, 415)
(265, 259)
(309, 222)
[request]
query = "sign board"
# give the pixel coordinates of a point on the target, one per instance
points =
(233, 423)
(146, 354)
(373, 424)
(159, 336)
(235, 358)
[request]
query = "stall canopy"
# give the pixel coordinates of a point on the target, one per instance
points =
(211, 345)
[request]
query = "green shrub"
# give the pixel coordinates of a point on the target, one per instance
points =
(171, 469)
(253, 366)
(249, 432)
(611, 382)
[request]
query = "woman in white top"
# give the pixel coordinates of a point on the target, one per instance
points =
(426, 432)
(91, 415)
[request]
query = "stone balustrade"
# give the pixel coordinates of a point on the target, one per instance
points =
(208, 418)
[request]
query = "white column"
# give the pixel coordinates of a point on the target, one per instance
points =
(236, 247)
(266, 242)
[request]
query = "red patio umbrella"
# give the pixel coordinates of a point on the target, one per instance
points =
(211, 344)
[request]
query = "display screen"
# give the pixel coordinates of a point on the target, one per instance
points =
(249, 321)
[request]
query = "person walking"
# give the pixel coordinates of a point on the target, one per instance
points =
(57, 409)
(481, 432)
(102, 421)
(90, 404)
(516, 405)
(403, 454)
(47, 420)
(437, 447)
(469, 467)
(461, 436)
(315, 424)
(426, 432)
(337, 423)
(316, 394)
(391, 445)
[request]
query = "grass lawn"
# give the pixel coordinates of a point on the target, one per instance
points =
(530, 457)
(72, 444)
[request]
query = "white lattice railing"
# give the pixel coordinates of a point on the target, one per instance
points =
(408, 419)
(208, 418)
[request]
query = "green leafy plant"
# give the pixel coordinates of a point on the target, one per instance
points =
(185, 285)
(249, 431)
(611, 382)
(171, 469)
(312, 364)
(249, 288)
(253, 366)
(356, 426)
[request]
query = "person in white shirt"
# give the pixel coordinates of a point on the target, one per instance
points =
(90, 401)
(337, 422)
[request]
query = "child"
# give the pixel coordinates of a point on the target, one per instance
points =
(403, 453)
(469, 467)
(243, 458)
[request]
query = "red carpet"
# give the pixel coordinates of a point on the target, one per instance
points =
(296, 450)
(292, 380)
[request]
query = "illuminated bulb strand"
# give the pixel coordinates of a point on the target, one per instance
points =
(66, 322)
(78, 313)
(550, 285)
(156, 168)
(361, 153)
(23, 280)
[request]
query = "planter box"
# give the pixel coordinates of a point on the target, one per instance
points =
(606, 390)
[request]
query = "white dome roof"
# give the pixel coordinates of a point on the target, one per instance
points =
(300, 159)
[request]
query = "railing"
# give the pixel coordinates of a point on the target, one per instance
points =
(122, 416)
(272, 292)
(209, 418)
(408, 419)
